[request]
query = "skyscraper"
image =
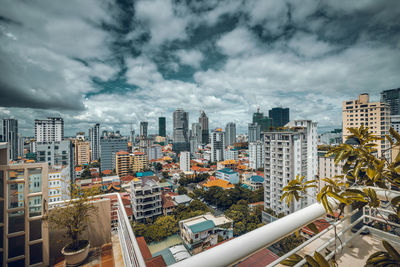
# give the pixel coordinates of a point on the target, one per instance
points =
(254, 132)
(256, 155)
(10, 135)
(374, 115)
(264, 122)
(279, 116)
(392, 97)
(203, 120)
(161, 127)
(196, 132)
(180, 131)
(143, 128)
(94, 135)
(217, 145)
(49, 130)
(109, 147)
(230, 134)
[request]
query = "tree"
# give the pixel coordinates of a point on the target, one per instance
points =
(362, 172)
(75, 216)
(86, 173)
(182, 190)
(158, 166)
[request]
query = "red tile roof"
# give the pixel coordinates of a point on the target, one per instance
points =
(107, 171)
(144, 248)
(122, 153)
(156, 262)
(260, 259)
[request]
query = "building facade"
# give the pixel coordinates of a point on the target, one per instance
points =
(82, 152)
(139, 162)
(50, 130)
(143, 128)
(24, 205)
(230, 134)
(228, 175)
(59, 182)
(231, 154)
(256, 155)
(180, 131)
(146, 198)
(10, 135)
(217, 145)
(392, 98)
(94, 136)
(184, 161)
(154, 152)
(374, 115)
(203, 120)
(264, 122)
(162, 127)
(196, 132)
(109, 147)
(279, 116)
(254, 132)
(288, 154)
(122, 163)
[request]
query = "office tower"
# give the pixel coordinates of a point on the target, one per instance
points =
(146, 198)
(23, 204)
(180, 131)
(108, 148)
(375, 115)
(196, 132)
(184, 161)
(154, 152)
(132, 136)
(143, 128)
(230, 134)
(122, 163)
(10, 135)
(392, 97)
(288, 154)
(256, 155)
(203, 120)
(21, 145)
(82, 152)
(162, 127)
(59, 182)
(254, 132)
(264, 122)
(194, 145)
(217, 145)
(94, 135)
(279, 116)
(49, 130)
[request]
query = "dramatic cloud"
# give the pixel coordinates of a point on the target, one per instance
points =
(122, 62)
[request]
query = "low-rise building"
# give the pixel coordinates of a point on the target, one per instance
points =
(228, 175)
(202, 231)
(219, 183)
(231, 153)
(146, 198)
(58, 183)
(230, 164)
(182, 200)
(255, 182)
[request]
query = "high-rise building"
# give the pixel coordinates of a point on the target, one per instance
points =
(10, 135)
(184, 161)
(180, 131)
(50, 130)
(230, 134)
(392, 97)
(194, 145)
(162, 127)
(374, 115)
(279, 116)
(154, 152)
(21, 144)
(82, 152)
(143, 128)
(254, 132)
(231, 154)
(203, 120)
(196, 132)
(94, 136)
(146, 198)
(217, 145)
(23, 204)
(256, 155)
(139, 162)
(109, 147)
(288, 154)
(264, 122)
(122, 163)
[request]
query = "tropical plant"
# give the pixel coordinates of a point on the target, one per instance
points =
(363, 172)
(74, 217)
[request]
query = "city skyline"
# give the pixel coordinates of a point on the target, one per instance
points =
(120, 65)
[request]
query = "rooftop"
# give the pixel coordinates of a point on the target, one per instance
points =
(227, 171)
(202, 226)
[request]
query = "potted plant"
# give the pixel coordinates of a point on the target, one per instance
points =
(74, 218)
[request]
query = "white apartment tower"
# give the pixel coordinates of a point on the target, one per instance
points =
(94, 136)
(289, 153)
(217, 145)
(374, 115)
(256, 155)
(50, 130)
(184, 161)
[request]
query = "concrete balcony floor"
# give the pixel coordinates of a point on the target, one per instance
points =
(108, 255)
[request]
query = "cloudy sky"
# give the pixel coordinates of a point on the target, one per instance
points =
(117, 62)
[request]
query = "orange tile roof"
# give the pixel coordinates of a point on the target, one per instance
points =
(220, 183)
(122, 153)
(77, 169)
(107, 171)
(127, 178)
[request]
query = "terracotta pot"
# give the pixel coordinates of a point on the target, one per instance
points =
(75, 257)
